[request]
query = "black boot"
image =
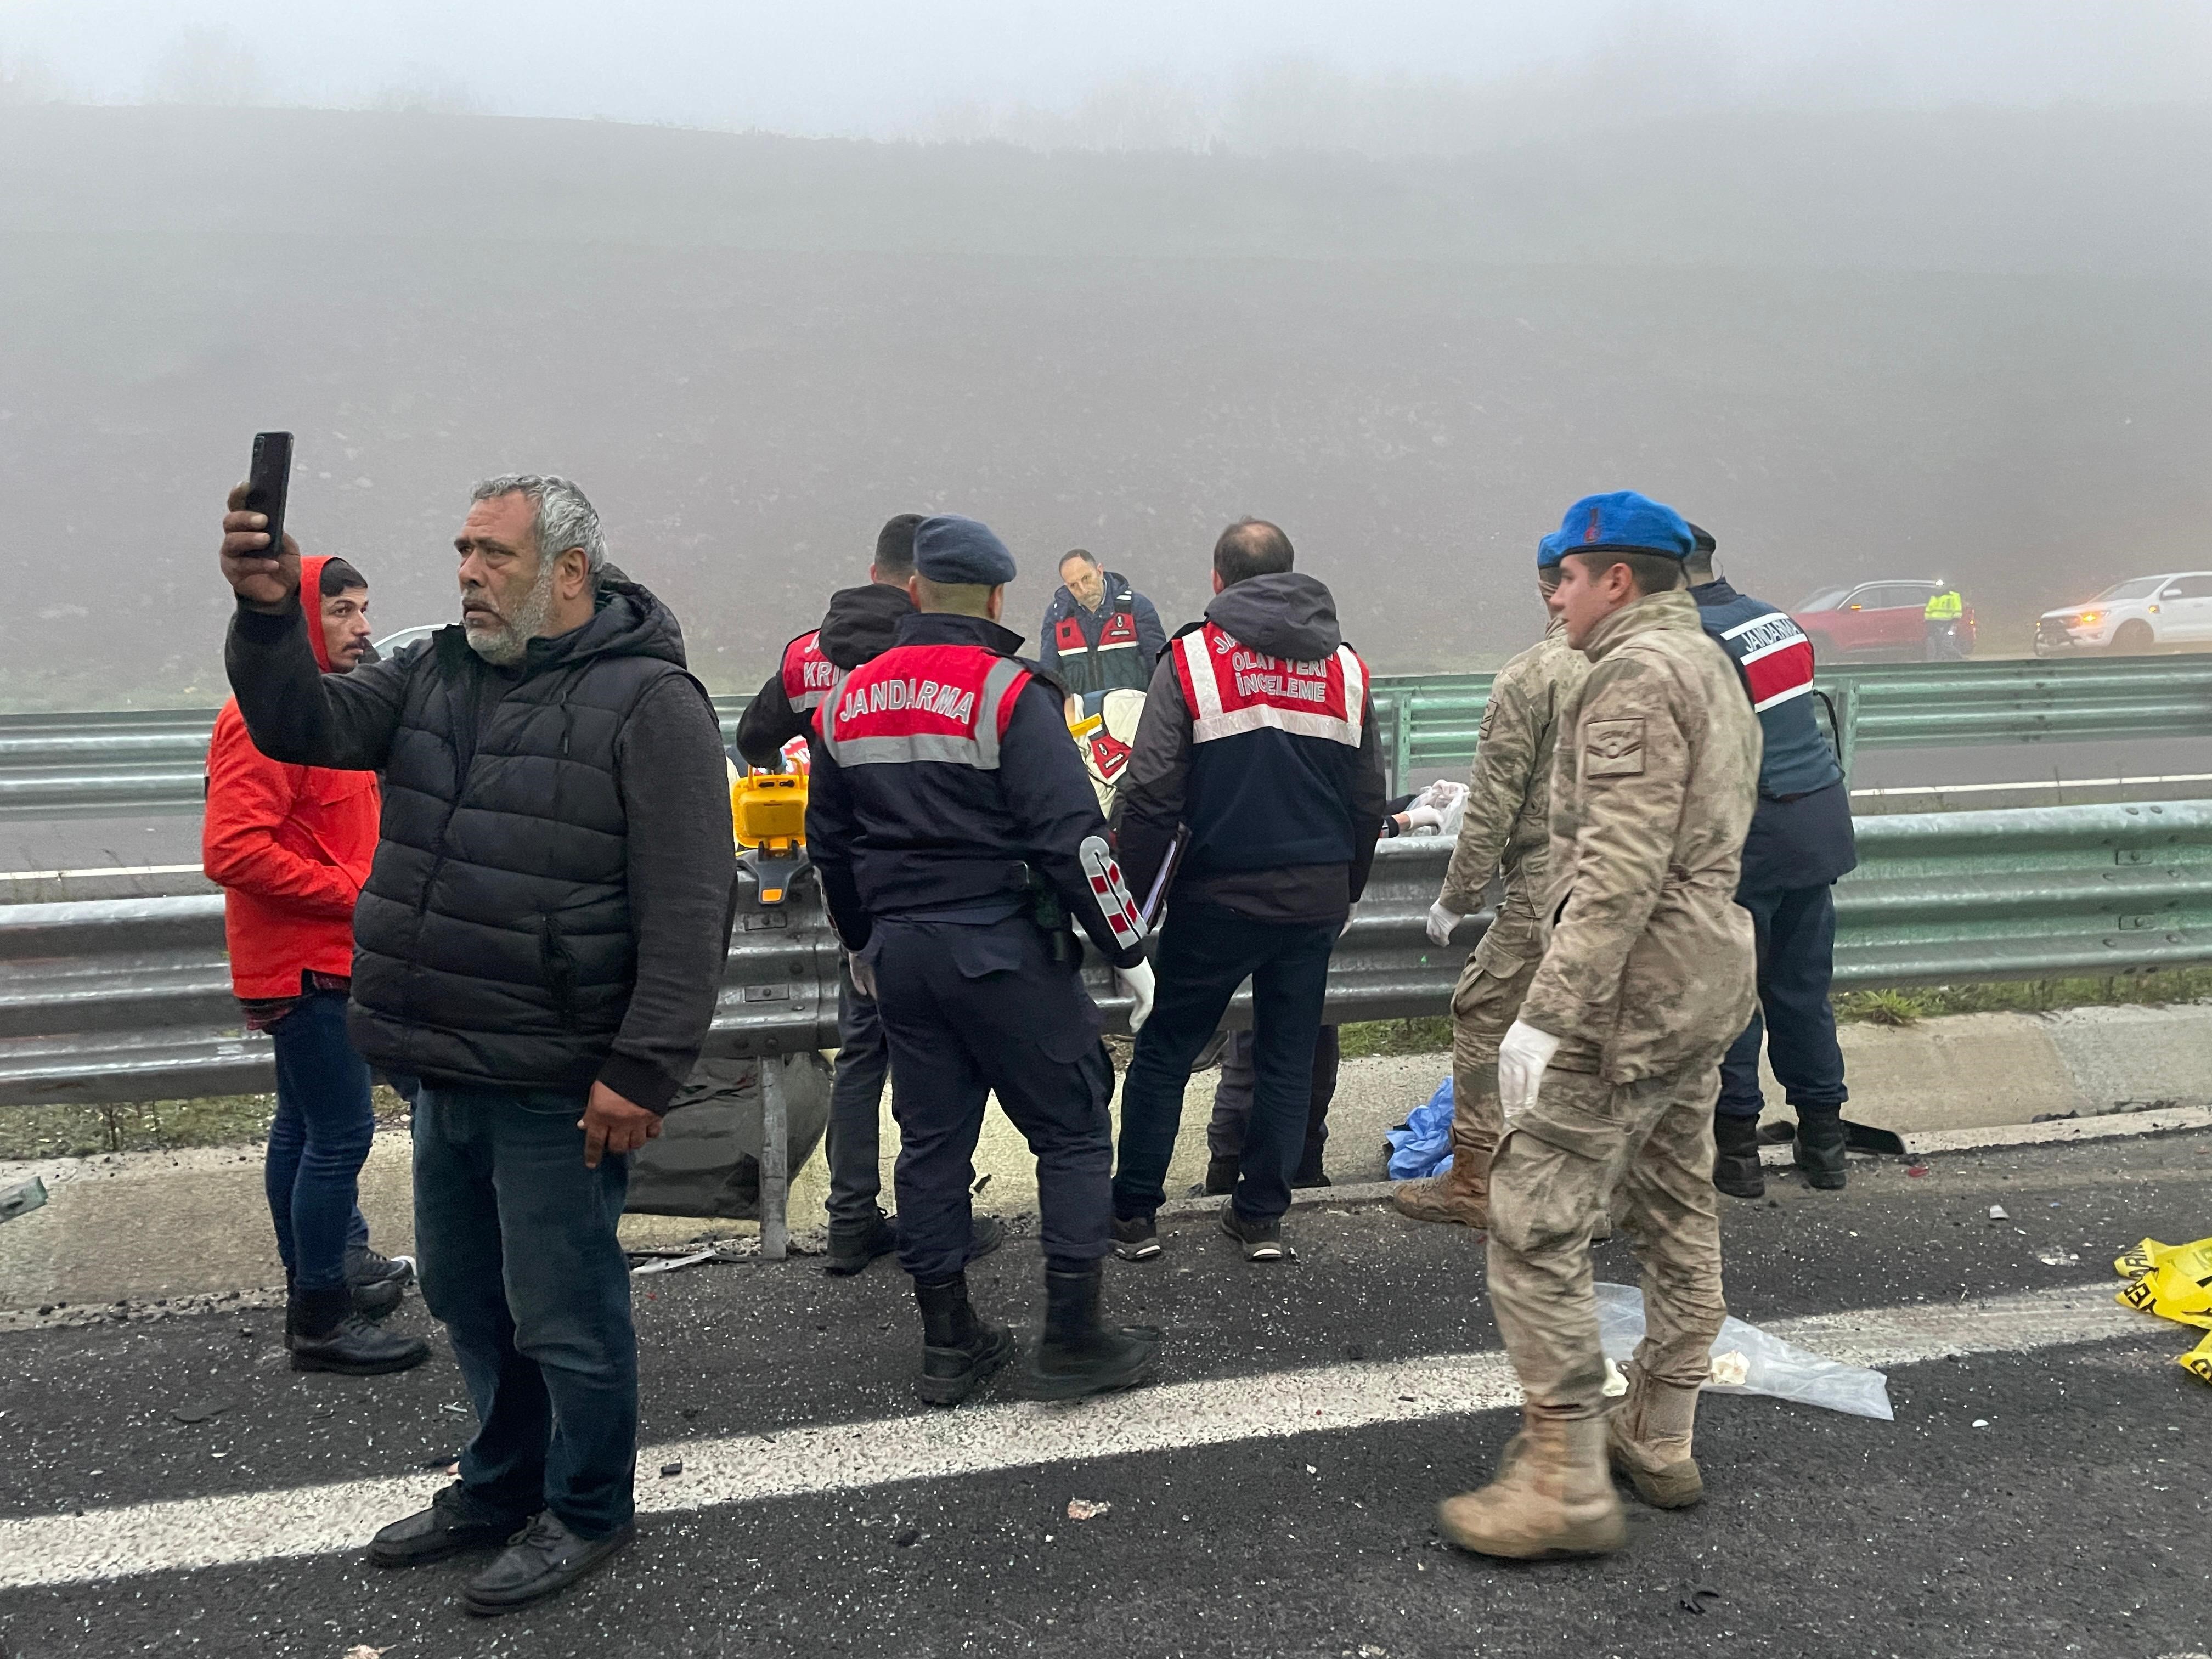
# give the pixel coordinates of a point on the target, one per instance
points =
(1820, 1141)
(1079, 1356)
(326, 1334)
(1735, 1157)
(1221, 1174)
(958, 1349)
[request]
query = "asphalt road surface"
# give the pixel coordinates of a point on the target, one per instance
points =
(2043, 1489)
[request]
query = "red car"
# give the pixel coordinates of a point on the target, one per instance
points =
(1878, 621)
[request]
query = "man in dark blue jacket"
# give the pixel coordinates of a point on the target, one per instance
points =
(1257, 753)
(958, 838)
(1800, 845)
(1099, 633)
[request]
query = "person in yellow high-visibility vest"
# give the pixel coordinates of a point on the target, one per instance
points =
(1942, 617)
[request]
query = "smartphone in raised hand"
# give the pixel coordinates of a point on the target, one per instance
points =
(267, 483)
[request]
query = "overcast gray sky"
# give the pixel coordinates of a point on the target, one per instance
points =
(893, 68)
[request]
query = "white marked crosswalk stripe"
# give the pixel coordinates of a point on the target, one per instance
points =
(264, 1526)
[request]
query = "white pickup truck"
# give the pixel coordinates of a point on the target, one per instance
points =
(2145, 613)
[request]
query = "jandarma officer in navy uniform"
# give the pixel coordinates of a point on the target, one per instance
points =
(958, 839)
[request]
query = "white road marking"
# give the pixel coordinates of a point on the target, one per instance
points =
(266, 1526)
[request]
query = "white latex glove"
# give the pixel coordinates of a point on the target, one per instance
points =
(1441, 923)
(1521, 1059)
(1419, 819)
(864, 976)
(1138, 982)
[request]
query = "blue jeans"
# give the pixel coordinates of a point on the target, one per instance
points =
(520, 1263)
(318, 1142)
(1796, 933)
(1204, 956)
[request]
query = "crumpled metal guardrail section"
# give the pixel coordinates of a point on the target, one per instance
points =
(129, 999)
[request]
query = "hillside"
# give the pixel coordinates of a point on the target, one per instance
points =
(1976, 344)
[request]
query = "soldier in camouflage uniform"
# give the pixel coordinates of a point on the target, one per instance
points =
(1507, 830)
(1608, 1077)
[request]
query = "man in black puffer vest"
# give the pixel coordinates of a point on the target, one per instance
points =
(540, 943)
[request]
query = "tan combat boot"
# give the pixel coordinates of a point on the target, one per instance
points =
(1552, 1496)
(1460, 1193)
(1648, 1441)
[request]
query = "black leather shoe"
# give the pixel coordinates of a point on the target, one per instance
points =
(543, 1561)
(378, 1282)
(959, 1352)
(456, 1521)
(1821, 1139)
(1311, 1174)
(326, 1334)
(852, 1248)
(1735, 1157)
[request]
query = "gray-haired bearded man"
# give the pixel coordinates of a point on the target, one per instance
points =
(540, 942)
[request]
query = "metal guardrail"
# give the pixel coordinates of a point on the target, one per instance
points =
(130, 762)
(125, 764)
(1429, 722)
(129, 999)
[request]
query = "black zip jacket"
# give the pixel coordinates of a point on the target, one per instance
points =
(858, 627)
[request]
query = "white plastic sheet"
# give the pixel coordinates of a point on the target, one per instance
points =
(1746, 1360)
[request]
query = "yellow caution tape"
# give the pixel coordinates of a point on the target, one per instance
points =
(2173, 1281)
(2197, 1362)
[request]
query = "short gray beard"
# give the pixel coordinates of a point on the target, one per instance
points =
(506, 645)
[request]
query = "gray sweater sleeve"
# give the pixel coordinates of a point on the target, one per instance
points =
(682, 888)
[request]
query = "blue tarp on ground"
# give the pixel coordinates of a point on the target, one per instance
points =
(1423, 1145)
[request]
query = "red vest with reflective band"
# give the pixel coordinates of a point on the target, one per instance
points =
(1776, 657)
(1231, 689)
(949, 703)
(1120, 633)
(807, 674)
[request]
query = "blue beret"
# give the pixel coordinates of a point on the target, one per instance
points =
(1623, 521)
(952, 550)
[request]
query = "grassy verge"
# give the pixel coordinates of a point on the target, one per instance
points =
(2040, 996)
(152, 1126)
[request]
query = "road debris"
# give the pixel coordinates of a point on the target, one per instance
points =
(2172, 1281)
(672, 1468)
(1087, 1509)
(199, 1410)
(1771, 1366)
(2057, 1256)
(1998, 1212)
(23, 1198)
(669, 1264)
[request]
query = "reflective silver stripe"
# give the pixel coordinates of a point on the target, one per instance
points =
(1355, 690)
(807, 701)
(923, 746)
(1198, 661)
(996, 684)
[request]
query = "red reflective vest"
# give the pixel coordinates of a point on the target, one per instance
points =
(948, 703)
(1230, 689)
(807, 674)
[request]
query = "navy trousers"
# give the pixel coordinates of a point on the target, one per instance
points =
(856, 1105)
(520, 1263)
(1204, 956)
(1233, 1099)
(972, 1010)
(1796, 929)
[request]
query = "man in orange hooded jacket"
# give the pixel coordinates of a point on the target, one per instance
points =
(290, 846)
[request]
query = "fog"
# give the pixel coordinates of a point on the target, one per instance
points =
(1869, 290)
